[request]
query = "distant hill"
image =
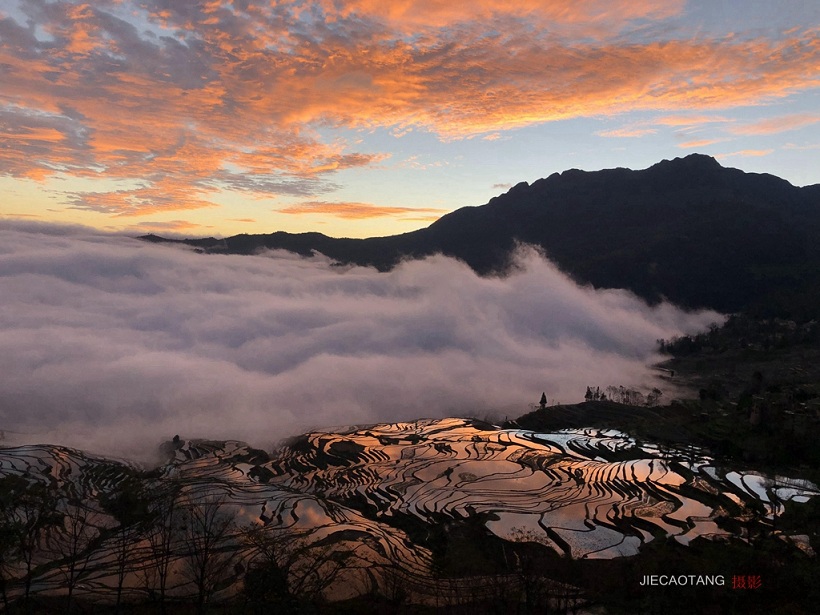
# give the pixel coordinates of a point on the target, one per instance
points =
(687, 229)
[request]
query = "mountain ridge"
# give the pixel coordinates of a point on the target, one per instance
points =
(688, 230)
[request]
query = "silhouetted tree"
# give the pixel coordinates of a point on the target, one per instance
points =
(210, 554)
(162, 538)
(543, 401)
(614, 393)
(9, 529)
(28, 513)
(289, 569)
(130, 506)
(73, 543)
(536, 593)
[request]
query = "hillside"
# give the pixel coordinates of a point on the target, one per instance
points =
(688, 229)
(447, 515)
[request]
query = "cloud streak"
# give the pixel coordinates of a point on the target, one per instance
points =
(698, 143)
(360, 211)
(777, 125)
(753, 153)
(113, 344)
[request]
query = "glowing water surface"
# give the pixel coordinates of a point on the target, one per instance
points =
(578, 491)
(585, 493)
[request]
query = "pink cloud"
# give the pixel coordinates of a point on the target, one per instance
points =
(359, 211)
(747, 153)
(775, 125)
(628, 131)
(172, 227)
(699, 143)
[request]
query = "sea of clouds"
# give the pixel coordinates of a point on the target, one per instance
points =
(113, 345)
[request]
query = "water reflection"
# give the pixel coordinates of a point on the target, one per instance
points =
(584, 492)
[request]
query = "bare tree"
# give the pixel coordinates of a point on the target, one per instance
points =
(28, 513)
(289, 567)
(162, 537)
(394, 585)
(653, 397)
(10, 527)
(74, 543)
(208, 532)
(130, 507)
(538, 593)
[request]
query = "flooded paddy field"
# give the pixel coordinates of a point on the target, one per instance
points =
(346, 498)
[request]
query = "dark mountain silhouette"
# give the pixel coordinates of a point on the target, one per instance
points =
(686, 229)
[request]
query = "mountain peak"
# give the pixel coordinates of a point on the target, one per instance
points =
(686, 229)
(692, 162)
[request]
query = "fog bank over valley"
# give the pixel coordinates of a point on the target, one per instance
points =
(111, 345)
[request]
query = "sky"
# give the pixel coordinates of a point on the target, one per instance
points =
(113, 345)
(363, 117)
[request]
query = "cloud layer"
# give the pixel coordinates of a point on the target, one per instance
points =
(186, 99)
(113, 345)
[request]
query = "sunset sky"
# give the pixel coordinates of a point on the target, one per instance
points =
(374, 117)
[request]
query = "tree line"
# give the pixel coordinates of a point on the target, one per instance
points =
(624, 395)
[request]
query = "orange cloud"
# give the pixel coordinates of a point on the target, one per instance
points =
(627, 131)
(165, 195)
(777, 124)
(690, 120)
(172, 226)
(748, 153)
(240, 96)
(597, 14)
(699, 143)
(359, 211)
(478, 85)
